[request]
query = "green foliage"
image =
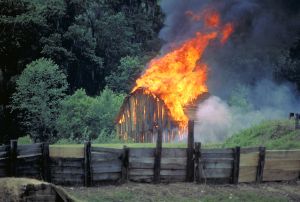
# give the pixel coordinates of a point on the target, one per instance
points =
(39, 91)
(86, 118)
(25, 140)
(272, 134)
(239, 98)
(123, 79)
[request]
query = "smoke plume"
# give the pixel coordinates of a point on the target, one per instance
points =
(241, 71)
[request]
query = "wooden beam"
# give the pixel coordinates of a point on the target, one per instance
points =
(87, 164)
(125, 164)
(236, 165)
(190, 153)
(13, 154)
(261, 165)
(45, 162)
(157, 160)
(197, 161)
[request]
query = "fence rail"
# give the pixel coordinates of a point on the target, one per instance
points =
(89, 165)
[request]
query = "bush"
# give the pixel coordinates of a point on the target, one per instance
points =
(39, 91)
(87, 118)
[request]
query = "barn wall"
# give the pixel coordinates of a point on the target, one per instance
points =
(141, 115)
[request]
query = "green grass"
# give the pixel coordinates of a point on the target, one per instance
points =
(272, 134)
(178, 192)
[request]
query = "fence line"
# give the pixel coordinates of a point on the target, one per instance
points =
(91, 165)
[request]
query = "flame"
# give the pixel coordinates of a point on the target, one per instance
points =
(179, 76)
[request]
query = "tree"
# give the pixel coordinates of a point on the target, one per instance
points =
(85, 118)
(123, 79)
(39, 91)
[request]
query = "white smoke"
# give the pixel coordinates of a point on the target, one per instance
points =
(216, 120)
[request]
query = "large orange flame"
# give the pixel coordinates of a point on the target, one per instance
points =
(179, 76)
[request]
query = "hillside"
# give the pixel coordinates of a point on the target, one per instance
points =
(278, 134)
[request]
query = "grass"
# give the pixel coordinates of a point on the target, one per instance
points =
(178, 192)
(278, 134)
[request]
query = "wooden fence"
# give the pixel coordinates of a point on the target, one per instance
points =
(89, 165)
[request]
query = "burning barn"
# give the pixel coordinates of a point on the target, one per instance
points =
(143, 112)
(167, 94)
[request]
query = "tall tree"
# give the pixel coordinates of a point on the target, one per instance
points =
(39, 91)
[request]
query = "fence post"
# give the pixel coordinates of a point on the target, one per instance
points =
(236, 165)
(45, 162)
(197, 161)
(261, 165)
(190, 153)
(87, 163)
(157, 156)
(297, 117)
(13, 154)
(125, 163)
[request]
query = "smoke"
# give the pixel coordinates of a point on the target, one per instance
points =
(217, 120)
(241, 72)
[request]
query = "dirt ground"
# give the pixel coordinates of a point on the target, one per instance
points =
(189, 192)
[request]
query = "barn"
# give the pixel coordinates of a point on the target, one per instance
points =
(143, 112)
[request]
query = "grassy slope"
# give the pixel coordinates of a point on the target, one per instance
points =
(272, 134)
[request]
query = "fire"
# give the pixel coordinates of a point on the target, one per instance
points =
(179, 76)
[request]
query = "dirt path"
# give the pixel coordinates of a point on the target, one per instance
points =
(189, 192)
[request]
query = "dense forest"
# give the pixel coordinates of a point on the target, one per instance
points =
(90, 43)
(66, 65)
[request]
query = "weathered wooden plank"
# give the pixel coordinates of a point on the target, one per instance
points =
(141, 160)
(4, 154)
(106, 176)
(30, 156)
(141, 172)
(249, 159)
(137, 164)
(279, 164)
(70, 162)
(67, 170)
(102, 156)
(278, 175)
(114, 166)
(67, 176)
(66, 152)
(29, 149)
(173, 178)
(174, 166)
(247, 174)
(106, 150)
(173, 153)
(217, 155)
(4, 148)
(216, 173)
(283, 154)
(141, 152)
(173, 172)
(217, 163)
